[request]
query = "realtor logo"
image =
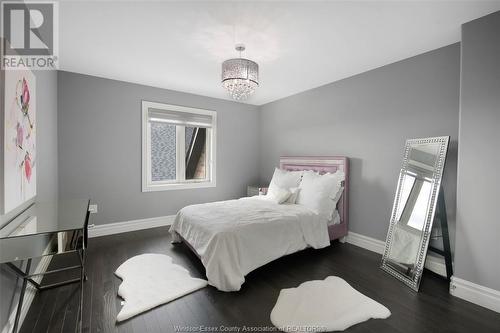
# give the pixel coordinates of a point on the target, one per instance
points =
(29, 35)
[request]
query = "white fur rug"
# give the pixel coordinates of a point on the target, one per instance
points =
(324, 305)
(150, 280)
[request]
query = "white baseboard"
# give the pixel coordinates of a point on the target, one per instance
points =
(29, 296)
(432, 263)
(119, 227)
(366, 242)
(475, 293)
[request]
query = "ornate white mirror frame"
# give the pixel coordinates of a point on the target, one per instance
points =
(413, 274)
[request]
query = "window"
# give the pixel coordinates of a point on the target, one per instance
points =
(178, 147)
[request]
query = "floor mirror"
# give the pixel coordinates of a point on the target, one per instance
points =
(418, 196)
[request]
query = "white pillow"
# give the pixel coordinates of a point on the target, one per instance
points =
(278, 195)
(336, 199)
(337, 196)
(285, 179)
(318, 192)
(294, 192)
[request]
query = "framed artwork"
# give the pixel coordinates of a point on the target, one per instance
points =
(19, 138)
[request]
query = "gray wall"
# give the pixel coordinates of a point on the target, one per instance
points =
(100, 147)
(478, 222)
(47, 170)
(368, 117)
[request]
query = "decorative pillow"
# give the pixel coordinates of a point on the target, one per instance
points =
(318, 192)
(278, 195)
(294, 192)
(336, 199)
(337, 196)
(335, 219)
(285, 179)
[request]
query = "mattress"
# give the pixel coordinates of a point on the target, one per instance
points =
(234, 237)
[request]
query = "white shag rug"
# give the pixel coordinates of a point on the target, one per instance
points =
(150, 280)
(324, 305)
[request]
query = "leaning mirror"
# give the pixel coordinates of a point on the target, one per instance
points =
(414, 208)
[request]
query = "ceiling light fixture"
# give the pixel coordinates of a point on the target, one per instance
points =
(240, 76)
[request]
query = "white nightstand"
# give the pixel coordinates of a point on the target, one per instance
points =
(256, 190)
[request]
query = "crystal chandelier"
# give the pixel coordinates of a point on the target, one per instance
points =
(240, 76)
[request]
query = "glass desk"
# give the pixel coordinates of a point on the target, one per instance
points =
(46, 229)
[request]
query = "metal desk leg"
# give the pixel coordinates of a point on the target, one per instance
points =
(21, 297)
(83, 277)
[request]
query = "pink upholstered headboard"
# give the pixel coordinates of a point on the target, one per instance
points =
(322, 165)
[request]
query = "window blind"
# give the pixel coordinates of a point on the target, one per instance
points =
(180, 118)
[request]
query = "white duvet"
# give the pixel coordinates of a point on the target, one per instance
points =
(235, 237)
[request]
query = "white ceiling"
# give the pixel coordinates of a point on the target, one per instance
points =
(298, 45)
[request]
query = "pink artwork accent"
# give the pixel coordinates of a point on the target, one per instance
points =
(27, 167)
(19, 144)
(24, 99)
(325, 164)
(20, 134)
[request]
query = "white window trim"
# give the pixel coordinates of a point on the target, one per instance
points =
(147, 184)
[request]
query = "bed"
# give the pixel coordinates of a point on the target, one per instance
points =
(234, 237)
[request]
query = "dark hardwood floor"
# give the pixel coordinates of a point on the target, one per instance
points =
(430, 310)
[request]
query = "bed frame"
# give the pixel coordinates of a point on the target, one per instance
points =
(323, 165)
